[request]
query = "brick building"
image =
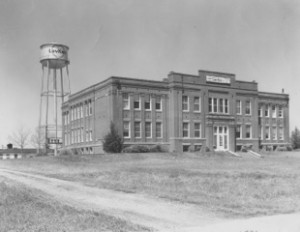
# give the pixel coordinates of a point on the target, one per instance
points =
(181, 112)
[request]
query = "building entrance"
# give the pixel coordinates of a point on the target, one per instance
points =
(221, 138)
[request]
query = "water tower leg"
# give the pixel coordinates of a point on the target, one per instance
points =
(47, 108)
(55, 108)
(40, 118)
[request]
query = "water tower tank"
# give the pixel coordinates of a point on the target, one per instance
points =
(56, 55)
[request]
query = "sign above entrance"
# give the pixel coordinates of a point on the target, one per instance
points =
(221, 80)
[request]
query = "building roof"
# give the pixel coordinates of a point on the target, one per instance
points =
(18, 150)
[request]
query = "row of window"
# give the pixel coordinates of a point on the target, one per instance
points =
(266, 135)
(248, 131)
(218, 105)
(248, 108)
(78, 111)
(196, 104)
(275, 132)
(78, 136)
(137, 102)
(271, 111)
(137, 129)
(186, 130)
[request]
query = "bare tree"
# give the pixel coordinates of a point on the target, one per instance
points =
(37, 139)
(20, 138)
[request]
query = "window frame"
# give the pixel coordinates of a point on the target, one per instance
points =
(158, 103)
(185, 103)
(139, 102)
(185, 130)
(139, 131)
(160, 130)
(248, 107)
(240, 131)
(238, 107)
(126, 99)
(197, 104)
(248, 136)
(198, 130)
(124, 129)
(150, 105)
(146, 129)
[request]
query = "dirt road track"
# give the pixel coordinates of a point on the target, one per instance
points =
(139, 209)
(147, 211)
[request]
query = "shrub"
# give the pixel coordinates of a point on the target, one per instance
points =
(113, 143)
(155, 148)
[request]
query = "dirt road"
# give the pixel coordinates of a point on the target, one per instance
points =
(151, 212)
(139, 209)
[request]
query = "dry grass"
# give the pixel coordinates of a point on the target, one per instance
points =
(229, 186)
(25, 210)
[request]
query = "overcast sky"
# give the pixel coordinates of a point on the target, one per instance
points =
(257, 40)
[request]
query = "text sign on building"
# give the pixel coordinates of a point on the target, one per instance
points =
(221, 80)
(54, 141)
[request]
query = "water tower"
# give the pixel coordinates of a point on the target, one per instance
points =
(54, 90)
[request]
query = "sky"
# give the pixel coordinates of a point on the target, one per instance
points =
(254, 39)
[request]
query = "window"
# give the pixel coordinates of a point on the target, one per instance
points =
(137, 129)
(248, 107)
(185, 130)
(148, 132)
(197, 106)
(266, 111)
(238, 107)
(273, 111)
(280, 133)
(280, 112)
(260, 111)
(126, 129)
(82, 135)
(136, 103)
(226, 106)
(79, 135)
(147, 103)
(90, 107)
(221, 105)
(126, 101)
(267, 132)
(91, 135)
(197, 130)
(75, 112)
(86, 109)
(215, 103)
(78, 112)
(86, 135)
(248, 132)
(274, 133)
(238, 132)
(158, 130)
(185, 103)
(218, 105)
(210, 105)
(81, 110)
(158, 104)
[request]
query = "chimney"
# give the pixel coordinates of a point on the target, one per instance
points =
(9, 146)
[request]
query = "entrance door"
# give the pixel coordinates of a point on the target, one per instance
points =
(221, 138)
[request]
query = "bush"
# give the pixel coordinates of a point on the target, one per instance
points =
(136, 149)
(142, 149)
(113, 143)
(155, 148)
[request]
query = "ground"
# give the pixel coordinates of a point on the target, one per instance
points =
(205, 189)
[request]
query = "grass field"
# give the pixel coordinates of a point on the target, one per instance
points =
(228, 186)
(25, 210)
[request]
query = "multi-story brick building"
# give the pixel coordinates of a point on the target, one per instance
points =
(181, 112)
